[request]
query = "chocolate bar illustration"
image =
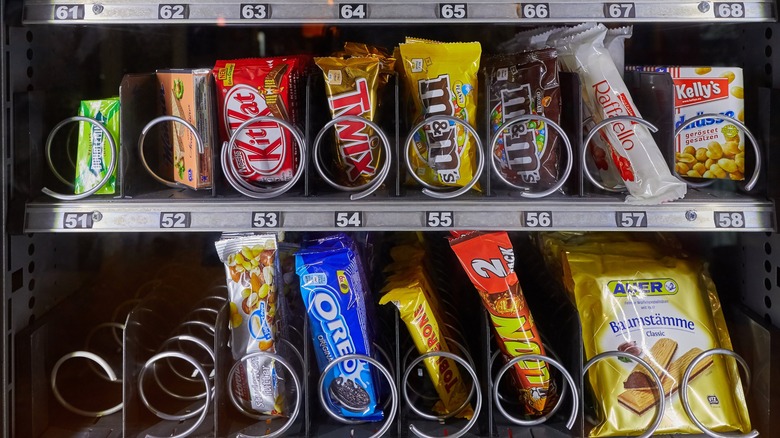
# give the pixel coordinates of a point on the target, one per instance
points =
(659, 358)
(640, 400)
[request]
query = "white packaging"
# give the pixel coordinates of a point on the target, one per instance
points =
(642, 167)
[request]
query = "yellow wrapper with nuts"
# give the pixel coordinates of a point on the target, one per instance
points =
(711, 147)
(251, 267)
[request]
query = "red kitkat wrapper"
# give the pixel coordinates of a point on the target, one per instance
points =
(489, 259)
(265, 151)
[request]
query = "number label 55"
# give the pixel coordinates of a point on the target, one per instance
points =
(438, 219)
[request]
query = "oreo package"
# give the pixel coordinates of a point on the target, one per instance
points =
(334, 293)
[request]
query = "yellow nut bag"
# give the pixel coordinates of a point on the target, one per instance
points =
(666, 311)
(422, 320)
(442, 80)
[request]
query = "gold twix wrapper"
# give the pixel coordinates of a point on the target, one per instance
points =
(352, 91)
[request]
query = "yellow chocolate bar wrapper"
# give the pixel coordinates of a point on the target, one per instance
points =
(665, 310)
(442, 80)
(423, 323)
(352, 91)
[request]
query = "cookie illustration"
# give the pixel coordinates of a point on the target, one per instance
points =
(350, 396)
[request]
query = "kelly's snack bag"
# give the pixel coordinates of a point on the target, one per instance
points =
(442, 80)
(252, 268)
(351, 86)
(711, 147)
(252, 87)
(522, 84)
(334, 295)
(488, 259)
(633, 150)
(666, 311)
(94, 153)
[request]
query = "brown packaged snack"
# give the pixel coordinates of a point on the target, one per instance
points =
(520, 84)
(352, 89)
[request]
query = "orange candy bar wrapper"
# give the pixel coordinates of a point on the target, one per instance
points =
(488, 259)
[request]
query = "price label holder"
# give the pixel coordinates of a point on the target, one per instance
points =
(170, 220)
(266, 219)
(537, 219)
(349, 219)
(729, 219)
(173, 11)
(631, 219)
(534, 11)
(353, 11)
(729, 10)
(77, 221)
(619, 10)
(453, 11)
(254, 11)
(439, 219)
(67, 12)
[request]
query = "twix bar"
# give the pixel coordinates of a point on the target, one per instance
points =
(489, 259)
(352, 90)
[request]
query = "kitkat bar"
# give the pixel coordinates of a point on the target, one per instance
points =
(247, 88)
(488, 259)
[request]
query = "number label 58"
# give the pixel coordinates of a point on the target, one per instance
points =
(729, 219)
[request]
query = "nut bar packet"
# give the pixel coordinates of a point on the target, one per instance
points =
(442, 80)
(251, 264)
(488, 259)
(423, 322)
(633, 150)
(521, 84)
(94, 154)
(265, 151)
(665, 310)
(335, 300)
(351, 85)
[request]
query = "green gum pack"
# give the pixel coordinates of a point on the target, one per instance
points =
(94, 151)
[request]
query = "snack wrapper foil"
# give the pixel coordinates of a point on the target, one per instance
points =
(252, 268)
(442, 80)
(666, 311)
(423, 322)
(334, 295)
(351, 85)
(94, 154)
(633, 150)
(521, 84)
(247, 88)
(488, 259)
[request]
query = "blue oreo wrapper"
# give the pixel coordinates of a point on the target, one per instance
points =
(334, 295)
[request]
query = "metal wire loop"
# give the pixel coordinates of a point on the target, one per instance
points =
(756, 172)
(103, 364)
(249, 190)
(567, 379)
(200, 343)
(364, 189)
(405, 391)
(659, 413)
(526, 192)
(436, 191)
(114, 326)
(476, 389)
(296, 381)
(142, 140)
(388, 422)
(111, 166)
(549, 351)
(203, 410)
(684, 388)
(599, 126)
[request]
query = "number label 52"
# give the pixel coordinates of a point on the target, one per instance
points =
(175, 220)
